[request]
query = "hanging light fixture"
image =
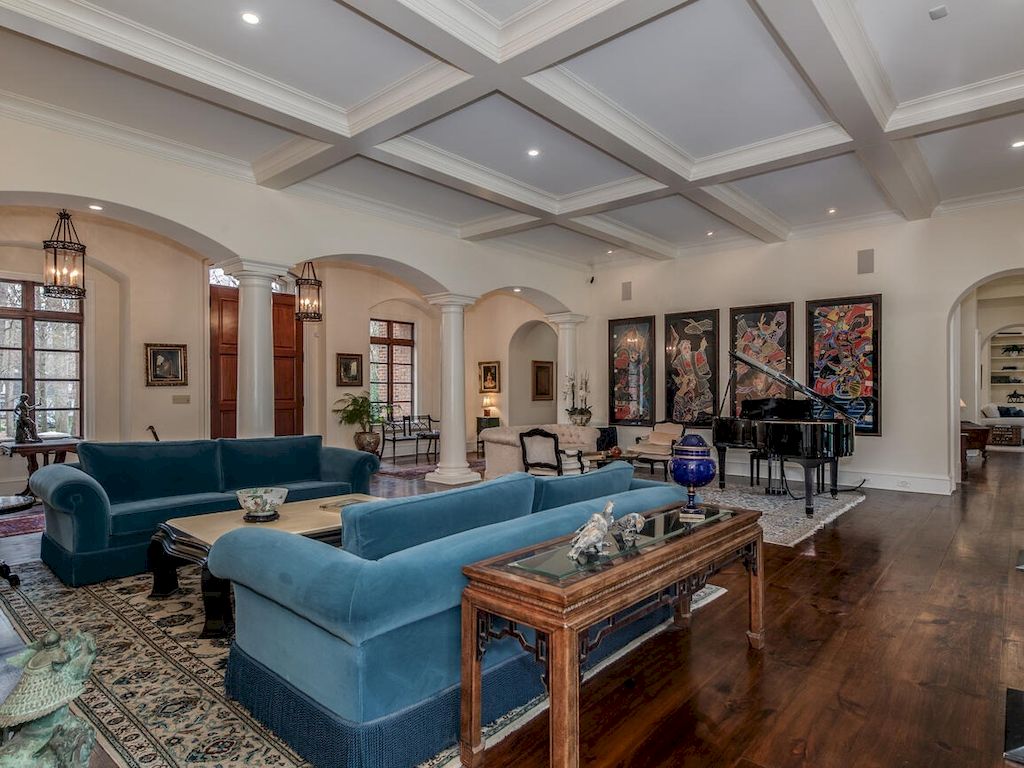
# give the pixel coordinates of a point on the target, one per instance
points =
(307, 295)
(64, 261)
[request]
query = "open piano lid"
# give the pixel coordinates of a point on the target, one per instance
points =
(789, 381)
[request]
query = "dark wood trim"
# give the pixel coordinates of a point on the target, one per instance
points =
(876, 340)
(391, 342)
(649, 422)
(754, 309)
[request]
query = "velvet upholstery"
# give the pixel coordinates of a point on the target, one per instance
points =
(378, 528)
(102, 513)
(559, 491)
(372, 641)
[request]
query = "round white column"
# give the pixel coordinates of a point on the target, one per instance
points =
(254, 415)
(566, 324)
(453, 469)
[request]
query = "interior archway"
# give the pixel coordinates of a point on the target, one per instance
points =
(533, 341)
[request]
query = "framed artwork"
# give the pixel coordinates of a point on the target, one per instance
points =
(691, 367)
(763, 332)
(348, 369)
(844, 357)
(631, 371)
(166, 365)
(490, 376)
(542, 380)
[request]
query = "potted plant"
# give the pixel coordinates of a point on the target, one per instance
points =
(576, 393)
(355, 409)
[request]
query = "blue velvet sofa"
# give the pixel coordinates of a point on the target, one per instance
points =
(352, 655)
(102, 512)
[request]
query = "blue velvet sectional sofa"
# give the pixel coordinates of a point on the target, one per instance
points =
(352, 655)
(102, 512)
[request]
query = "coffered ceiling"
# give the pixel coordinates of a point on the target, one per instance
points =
(656, 127)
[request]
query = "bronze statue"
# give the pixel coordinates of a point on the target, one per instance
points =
(25, 426)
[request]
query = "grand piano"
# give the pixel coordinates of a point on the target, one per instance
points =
(785, 429)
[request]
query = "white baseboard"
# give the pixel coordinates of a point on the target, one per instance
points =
(883, 481)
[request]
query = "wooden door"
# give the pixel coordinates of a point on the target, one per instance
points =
(224, 363)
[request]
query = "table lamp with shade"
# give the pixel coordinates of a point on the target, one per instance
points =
(488, 404)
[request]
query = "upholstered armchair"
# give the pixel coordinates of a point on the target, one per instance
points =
(505, 454)
(658, 443)
(542, 455)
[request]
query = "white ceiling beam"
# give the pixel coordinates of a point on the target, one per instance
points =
(1003, 95)
(500, 225)
(621, 236)
(826, 42)
(741, 211)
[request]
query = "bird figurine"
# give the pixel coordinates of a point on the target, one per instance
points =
(590, 540)
(629, 526)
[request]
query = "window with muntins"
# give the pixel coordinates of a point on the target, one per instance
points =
(392, 344)
(41, 354)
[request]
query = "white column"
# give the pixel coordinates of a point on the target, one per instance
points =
(566, 324)
(453, 469)
(254, 415)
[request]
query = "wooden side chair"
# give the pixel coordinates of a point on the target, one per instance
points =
(542, 456)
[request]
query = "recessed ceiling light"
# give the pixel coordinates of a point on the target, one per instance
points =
(95, 207)
(938, 12)
(533, 152)
(832, 211)
(250, 18)
(710, 233)
(517, 290)
(1017, 144)
(609, 252)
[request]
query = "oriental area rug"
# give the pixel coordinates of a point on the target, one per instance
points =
(414, 471)
(156, 693)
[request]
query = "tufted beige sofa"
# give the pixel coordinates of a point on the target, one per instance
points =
(505, 455)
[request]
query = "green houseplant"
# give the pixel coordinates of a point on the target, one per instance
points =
(355, 409)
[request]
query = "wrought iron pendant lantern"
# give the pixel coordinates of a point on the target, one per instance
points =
(64, 261)
(307, 295)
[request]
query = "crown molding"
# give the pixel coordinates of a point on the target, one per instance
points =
(622, 190)
(880, 219)
(353, 201)
(35, 112)
(497, 225)
(582, 97)
(544, 21)
(117, 33)
(986, 98)
(970, 202)
(541, 254)
(461, 20)
(807, 142)
(844, 25)
(747, 207)
(440, 160)
(286, 155)
(424, 83)
(624, 236)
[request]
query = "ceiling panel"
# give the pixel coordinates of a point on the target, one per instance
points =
(503, 10)
(976, 159)
(976, 41)
(566, 244)
(379, 182)
(497, 133)
(317, 46)
(802, 195)
(56, 77)
(676, 220)
(708, 77)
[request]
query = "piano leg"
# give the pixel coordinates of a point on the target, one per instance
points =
(809, 473)
(834, 477)
(721, 467)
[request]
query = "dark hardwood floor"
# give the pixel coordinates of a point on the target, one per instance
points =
(892, 636)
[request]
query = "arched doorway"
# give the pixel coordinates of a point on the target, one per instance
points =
(532, 346)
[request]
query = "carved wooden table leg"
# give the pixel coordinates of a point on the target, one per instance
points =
(754, 563)
(164, 568)
(564, 672)
(683, 612)
(33, 465)
(471, 749)
(220, 621)
(59, 457)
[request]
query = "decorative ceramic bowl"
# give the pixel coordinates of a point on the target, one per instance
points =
(260, 504)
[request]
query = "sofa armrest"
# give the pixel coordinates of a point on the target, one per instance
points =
(308, 577)
(66, 490)
(346, 465)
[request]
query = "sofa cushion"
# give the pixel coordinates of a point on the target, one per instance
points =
(558, 491)
(378, 528)
(146, 515)
(269, 460)
(315, 489)
(148, 470)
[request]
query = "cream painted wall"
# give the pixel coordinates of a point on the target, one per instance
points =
(536, 341)
(351, 297)
(922, 270)
(490, 325)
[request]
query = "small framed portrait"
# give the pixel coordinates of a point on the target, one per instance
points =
(166, 365)
(542, 380)
(490, 376)
(349, 370)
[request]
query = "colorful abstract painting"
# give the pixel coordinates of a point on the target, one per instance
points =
(765, 333)
(631, 371)
(691, 367)
(844, 357)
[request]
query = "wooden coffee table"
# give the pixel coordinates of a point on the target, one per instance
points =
(540, 587)
(185, 540)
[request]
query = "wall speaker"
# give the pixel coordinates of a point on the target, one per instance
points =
(866, 261)
(627, 291)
